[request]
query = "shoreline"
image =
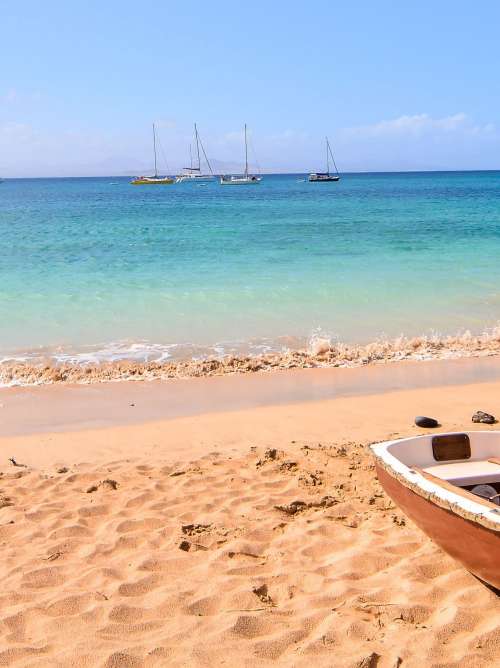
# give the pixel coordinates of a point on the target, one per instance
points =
(322, 353)
(260, 528)
(341, 420)
(65, 407)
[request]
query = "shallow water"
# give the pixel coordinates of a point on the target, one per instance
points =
(95, 269)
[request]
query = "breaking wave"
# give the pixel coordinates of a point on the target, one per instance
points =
(143, 361)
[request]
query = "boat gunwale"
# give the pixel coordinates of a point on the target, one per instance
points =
(432, 490)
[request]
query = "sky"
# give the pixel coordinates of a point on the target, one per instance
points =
(395, 85)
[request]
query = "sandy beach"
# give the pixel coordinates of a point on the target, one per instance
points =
(251, 532)
(220, 407)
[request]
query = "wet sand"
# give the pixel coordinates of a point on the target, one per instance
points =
(71, 407)
(248, 530)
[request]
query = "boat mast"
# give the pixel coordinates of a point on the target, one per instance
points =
(205, 156)
(154, 149)
(327, 156)
(333, 159)
(246, 152)
(197, 147)
(190, 158)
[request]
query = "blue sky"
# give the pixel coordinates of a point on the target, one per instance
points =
(395, 85)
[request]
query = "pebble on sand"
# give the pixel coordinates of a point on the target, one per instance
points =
(427, 422)
(485, 418)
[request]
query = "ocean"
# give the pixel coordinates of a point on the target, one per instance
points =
(94, 269)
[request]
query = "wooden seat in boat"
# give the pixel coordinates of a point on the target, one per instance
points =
(467, 473)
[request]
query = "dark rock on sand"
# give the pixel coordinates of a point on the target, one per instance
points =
(485, 418)
(193, 529)
(427, 422)
(288, 466)
(293, 508)
(271, 454)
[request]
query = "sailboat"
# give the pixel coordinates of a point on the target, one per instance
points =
(326, 176)
(194, 173)
(246, 178)
(152, 180)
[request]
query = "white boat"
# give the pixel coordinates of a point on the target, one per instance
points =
(322, 177)
(241, 179)
(449, 485)
(156, 179)
(193, 173)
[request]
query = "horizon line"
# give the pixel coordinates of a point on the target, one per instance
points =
(302, 173)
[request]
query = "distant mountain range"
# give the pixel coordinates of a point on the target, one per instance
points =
(218, 167)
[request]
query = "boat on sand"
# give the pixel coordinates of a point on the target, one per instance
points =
(449, 485)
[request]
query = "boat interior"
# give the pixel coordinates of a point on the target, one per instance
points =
(466, 463)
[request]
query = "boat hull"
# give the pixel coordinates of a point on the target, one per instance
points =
(239, 182)
(470, 543)
(193, 179)
(152, 182)
(328, 179)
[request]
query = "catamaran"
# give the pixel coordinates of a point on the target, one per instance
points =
(240, 180)
(152, 180)
(194, 173)
(322, 177)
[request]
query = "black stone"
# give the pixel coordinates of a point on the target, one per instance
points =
(427, 422)
(485, 418)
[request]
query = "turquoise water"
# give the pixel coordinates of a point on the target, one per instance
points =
(99, 269)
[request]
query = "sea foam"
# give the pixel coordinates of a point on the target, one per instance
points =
(321, 353)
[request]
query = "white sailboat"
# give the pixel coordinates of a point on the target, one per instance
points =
(322, 177)
(194, 173)
(152, 180)
(240, 180)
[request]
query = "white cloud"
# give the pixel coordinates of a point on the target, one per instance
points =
(289, 138)
(419, 142)
(165, 124)
(15, 133)
(14, 97)
(409, 142)
(420, 125)
(232, 137)
(10, 96)
(28, 151)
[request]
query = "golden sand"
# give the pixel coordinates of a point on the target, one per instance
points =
(251, 538)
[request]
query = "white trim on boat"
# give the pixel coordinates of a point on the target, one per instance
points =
(429, 488)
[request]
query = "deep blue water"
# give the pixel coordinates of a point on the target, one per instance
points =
(91, 264)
